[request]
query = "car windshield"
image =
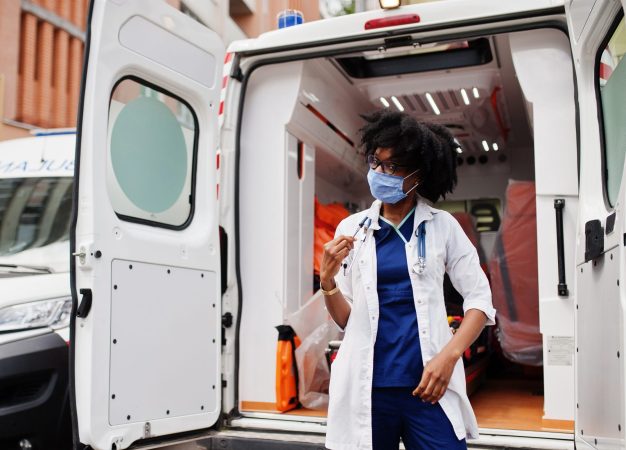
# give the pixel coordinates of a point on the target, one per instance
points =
(34, 212)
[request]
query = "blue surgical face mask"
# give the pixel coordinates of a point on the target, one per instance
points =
(387, 188)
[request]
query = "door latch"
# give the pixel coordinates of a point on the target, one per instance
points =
(82, 254)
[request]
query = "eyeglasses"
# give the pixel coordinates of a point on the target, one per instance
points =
(389, 167)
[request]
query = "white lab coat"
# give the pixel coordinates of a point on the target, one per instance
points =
(449, 250)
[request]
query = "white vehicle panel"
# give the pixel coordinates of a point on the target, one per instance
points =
(170, 62)
(601, 300)
(432, 13)
(137, 288)
(38, 156)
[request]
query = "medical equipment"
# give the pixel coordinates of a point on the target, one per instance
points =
(349, 261)
(420, 233)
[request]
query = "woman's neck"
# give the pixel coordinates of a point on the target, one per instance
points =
(396, 212)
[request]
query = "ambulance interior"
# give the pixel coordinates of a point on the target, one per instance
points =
(303, 170)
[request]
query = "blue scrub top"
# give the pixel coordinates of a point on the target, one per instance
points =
(397, 352)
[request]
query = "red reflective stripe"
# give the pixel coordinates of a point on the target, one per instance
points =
(217, 190)
(217, 162)
(224, 81)
(330, 125)
(402, 19)
(228, 57)
(221, 111)
(605, 71)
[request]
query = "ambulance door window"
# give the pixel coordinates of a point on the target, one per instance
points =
(152, 151)
(611, 85)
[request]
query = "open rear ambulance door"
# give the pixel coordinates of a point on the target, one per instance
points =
(598, 42)
(146, 321)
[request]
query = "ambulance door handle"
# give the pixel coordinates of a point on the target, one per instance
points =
(559, 205)
(85, 303)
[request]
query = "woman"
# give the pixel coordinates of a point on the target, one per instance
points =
(399, 372)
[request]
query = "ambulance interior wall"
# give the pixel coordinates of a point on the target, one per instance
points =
(272, 91)
(288, 155)
(546, 76)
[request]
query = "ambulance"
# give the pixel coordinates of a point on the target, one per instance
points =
(198, 171)
(35, 302)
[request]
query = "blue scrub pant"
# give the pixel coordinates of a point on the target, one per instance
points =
(422, 426)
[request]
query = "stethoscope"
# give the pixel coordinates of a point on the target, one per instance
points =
(419, 268)
(420, 233)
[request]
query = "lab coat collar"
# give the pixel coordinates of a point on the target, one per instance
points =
(423, 211)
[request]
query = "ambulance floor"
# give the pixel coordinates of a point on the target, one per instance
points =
(514, 404)
(508, 404)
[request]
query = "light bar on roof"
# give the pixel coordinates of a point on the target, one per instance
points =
(397, 103)
(433, 105)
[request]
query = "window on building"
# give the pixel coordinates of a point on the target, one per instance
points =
(50, 62)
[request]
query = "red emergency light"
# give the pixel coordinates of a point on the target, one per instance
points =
(392, 21)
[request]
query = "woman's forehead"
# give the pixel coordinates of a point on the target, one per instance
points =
(383, 152)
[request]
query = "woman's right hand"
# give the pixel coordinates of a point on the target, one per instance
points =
(335, 252)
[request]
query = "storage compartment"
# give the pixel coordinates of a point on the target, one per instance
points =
(511, 123)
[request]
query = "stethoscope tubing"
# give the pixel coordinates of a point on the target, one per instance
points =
(420, 233)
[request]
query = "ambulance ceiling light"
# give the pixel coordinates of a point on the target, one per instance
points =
(397, 103)
(495, 147)
(486, 146)
(476, 93)
(465, 97)
(389, 4)
(384, 101)
(458, 150)
(433, 105)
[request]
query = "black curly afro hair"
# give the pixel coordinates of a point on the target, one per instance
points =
(427, 147)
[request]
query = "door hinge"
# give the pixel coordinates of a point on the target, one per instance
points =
(594, 240)
(147, 430)
(227, 320)
(237, 74)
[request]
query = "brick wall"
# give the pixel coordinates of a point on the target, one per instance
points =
(50, 65)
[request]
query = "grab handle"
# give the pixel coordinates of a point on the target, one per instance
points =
(559, 204)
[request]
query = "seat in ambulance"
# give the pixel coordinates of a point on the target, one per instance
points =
(513, 270)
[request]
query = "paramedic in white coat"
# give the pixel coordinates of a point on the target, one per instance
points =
(399, 372)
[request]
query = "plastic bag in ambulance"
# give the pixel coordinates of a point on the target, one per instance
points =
(315, 329)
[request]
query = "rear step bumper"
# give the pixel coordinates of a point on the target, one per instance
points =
(273, 440)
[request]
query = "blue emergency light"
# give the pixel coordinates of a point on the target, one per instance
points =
(289, 18)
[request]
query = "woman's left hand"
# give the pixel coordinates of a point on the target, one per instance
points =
(435, 378)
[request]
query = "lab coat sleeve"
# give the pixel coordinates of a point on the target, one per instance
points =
(467, 276)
